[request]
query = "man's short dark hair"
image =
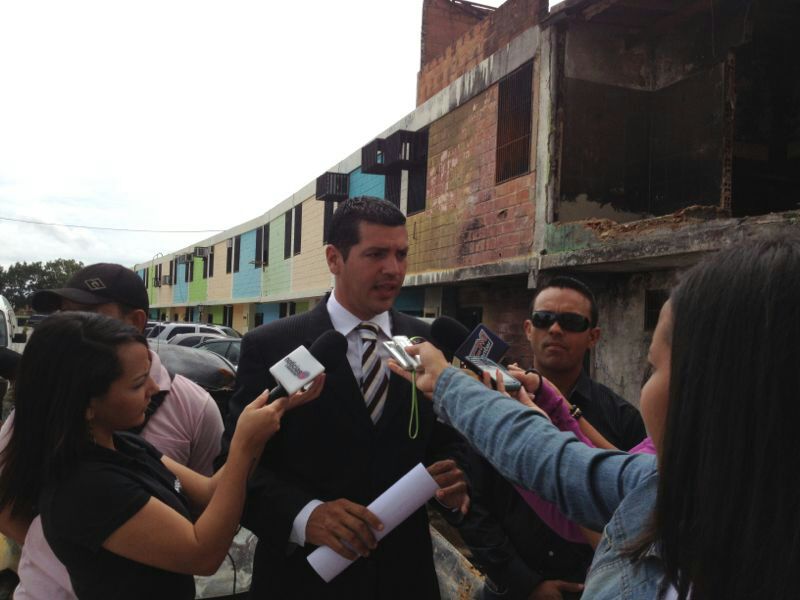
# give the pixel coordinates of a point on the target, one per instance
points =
(344, 234)
(570, 283)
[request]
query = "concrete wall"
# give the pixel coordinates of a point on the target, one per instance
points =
(620, 357)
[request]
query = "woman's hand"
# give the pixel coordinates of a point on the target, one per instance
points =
(530, 381)
(259, 421)
(520, 396)
(433, 363)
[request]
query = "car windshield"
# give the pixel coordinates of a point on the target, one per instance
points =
(230, 332)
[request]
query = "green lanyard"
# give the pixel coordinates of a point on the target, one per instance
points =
(413, 420)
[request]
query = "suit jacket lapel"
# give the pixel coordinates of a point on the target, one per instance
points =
(341, 383)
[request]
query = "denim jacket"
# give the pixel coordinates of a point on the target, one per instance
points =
(604, 490)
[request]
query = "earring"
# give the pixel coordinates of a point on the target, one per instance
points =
(90, 432)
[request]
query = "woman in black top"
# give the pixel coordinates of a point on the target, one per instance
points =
(116, 511)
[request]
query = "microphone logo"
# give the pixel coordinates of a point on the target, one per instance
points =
(295, 369)
(482, 346)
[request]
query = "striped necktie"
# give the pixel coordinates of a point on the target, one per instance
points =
(374, 380)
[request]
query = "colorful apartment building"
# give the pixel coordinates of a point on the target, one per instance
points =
(615, 140)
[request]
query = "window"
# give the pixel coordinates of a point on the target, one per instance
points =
(261, 258)
(147, 277)
(190, 270)
(298, 227)
(287, 234)
(188, 316)
(180, 329)
(329, 209)
(208, 264)
(171, 268)
(286, 309)
(227, 315)
(229, 256)
(237, 248)
(259, 318)
(514, 124)
(393, 185)
(418, 175)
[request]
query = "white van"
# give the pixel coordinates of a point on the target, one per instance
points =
(8, 326)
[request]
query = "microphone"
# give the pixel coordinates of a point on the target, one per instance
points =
(302, 365)
(476, 349)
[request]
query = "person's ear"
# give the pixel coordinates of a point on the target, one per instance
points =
(334, 259)
(594, 336)
(528, 327)
(137, 318)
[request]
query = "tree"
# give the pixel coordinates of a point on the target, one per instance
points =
(22, 279)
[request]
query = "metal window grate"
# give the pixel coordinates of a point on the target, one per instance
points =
(514, 124)
(401, 151)
(333, 186)
(372, 157)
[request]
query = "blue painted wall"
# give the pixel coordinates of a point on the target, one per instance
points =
(271, 311)
(364, 184)
(180, 291)
(247, 282)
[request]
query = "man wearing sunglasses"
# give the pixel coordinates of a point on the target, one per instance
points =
(561, 329)
(522, 556)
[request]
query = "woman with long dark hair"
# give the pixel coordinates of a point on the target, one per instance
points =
(717, 514)
(117, 513)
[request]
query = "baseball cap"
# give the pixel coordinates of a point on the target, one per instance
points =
(96, 284)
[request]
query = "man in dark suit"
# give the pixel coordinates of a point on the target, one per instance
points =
(335, 455)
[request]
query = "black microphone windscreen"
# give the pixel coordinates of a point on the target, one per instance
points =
(448, 334)
(330, 349)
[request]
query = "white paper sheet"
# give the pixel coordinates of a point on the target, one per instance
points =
(392, 507)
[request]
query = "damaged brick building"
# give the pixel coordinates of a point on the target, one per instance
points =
(616, 139)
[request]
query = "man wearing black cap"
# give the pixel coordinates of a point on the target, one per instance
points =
(186, 424)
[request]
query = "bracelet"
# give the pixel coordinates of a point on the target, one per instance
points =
(541, 380)
(575, 412)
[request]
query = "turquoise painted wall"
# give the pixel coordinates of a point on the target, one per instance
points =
(180, 291)
(365, 184)
(411, 300)
(247, 282)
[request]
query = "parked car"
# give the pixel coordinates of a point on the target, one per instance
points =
(212, 372)
(229, 348)
(165, 331)
(9, 332)
(195, 339)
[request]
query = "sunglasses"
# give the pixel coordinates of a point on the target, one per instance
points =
(544, 319)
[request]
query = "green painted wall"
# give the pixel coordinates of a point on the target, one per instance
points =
(279, 273)
(216, 313)
(198, 289)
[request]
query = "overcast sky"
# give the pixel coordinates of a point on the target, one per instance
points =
(184, 114)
